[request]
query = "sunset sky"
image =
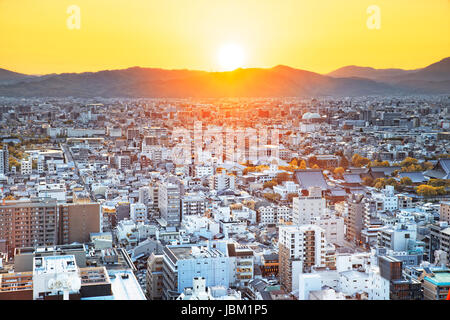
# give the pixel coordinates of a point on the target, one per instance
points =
(313, 35)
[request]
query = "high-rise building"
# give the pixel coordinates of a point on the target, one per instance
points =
(242, 261)
(169, 203)
(300, 248)
(356, 215)
(78, 221)
(4, 160)
(26, 223)
(399, 288)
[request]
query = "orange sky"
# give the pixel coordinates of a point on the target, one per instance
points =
(309, 34)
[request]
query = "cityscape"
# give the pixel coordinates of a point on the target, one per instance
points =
(242, 184)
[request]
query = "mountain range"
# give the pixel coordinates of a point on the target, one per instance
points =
(278, 81)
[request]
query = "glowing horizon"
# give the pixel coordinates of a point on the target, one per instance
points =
(188, 34)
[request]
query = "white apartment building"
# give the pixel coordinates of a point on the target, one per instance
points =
(221, 181)
(138, 212)
(193, 204)
(387, 198)
(40, 165)
(203, 170)
(352, 275)
(169, 202)
(144, 195)
(300, 248)
(334, 228)
(401, 237)
(304, 208)
(268, 213)
(284, 214)
(286, 188)
(26, 166)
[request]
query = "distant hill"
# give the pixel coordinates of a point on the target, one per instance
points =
(369, 73)
(7, 76)
(439, 71)
(278, 81)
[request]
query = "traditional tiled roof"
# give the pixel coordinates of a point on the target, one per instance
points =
(310, 178)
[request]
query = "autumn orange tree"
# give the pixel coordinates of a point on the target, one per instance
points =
(359, 161)
(302, 165)
(377, 163)
(272, 196)
(430, 191)
(406, 181)
(339, 171)
(269, 184)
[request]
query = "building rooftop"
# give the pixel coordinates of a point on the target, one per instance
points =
(440, 278)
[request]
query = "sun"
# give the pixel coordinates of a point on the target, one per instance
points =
(231, 56)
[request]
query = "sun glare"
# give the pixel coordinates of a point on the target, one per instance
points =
(231, 57)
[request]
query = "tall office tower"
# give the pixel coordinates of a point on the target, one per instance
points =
(356, 214)
(154, 277)
(77, 221)
(305, 208)
(169, 203)
(26, 223)
(300, 248)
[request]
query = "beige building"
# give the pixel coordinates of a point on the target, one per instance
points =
(26, 223)
(154, 277)
(78, 221)
(444, 212)
(44, 222)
